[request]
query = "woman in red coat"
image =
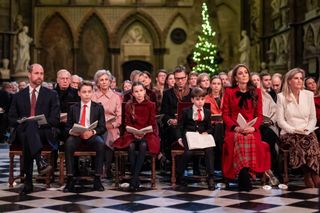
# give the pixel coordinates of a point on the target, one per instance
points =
(139, 113)
(243, 151)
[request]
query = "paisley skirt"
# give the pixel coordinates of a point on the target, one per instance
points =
(303, 149)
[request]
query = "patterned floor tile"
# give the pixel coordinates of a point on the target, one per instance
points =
(165, 199)
(193, 206)
(44, 202)
(131, 207)
(13, 207)
(70, 207)
(132, 197)
(243, 196)
(253, 206)
(161, 201)
(306, 204)
(105, 202)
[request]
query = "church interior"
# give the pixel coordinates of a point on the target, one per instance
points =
(83, 36)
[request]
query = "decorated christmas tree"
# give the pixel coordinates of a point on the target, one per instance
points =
(205, 51)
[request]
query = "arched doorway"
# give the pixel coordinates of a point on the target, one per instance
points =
(129, 66)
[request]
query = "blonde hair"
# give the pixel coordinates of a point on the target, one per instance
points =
(286, 90)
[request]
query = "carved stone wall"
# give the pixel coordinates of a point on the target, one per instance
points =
(87, 38)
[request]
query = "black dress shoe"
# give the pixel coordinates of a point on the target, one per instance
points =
(181, 181)
(134, 185)
(69, 186)
(196, 172)
(97, 185)
(43, 167)
(211, 185)
(27, 189)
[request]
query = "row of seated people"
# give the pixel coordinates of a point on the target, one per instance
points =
(234, 150)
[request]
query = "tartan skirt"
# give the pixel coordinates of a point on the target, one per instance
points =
(303, 150)
(244, 152)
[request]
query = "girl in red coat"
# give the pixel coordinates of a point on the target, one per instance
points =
(243, 151)
(139, 113)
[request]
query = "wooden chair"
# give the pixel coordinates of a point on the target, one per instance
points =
(82, 150)
(16, 150)
(120, 159)
(122, 155)
(285, 154)
(177, 150)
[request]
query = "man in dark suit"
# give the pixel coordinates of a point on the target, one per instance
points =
(5, 99)
(67, 97)
(85, 112)
(31, 101)
(196, 119)
(179, 93)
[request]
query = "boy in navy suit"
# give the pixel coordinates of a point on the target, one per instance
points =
(196, 119)
(85, 112)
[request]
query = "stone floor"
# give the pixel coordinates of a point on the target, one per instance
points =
(195, 198)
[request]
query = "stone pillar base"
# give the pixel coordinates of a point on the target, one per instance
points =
(20, 76)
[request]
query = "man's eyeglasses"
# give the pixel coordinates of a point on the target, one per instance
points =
(179, 79)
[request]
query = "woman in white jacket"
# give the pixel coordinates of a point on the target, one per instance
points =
(296, 117)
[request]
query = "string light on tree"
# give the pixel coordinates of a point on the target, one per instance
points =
(205, 50)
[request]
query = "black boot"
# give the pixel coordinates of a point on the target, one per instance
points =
(70, 185)
(244, 180)
(97, 185)
(28, 187)
(43, 166)
(211, 185)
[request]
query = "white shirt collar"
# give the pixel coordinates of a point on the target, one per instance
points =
(88, 104)
(37, 89)
(195, 109)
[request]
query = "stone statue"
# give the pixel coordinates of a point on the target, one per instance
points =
(4, 71)
(244, 48)
(312, 4)
(23, 57)
(18, 23)
(135, 35)
(263, 67)
(275, 4)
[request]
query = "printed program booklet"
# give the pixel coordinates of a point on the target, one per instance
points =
(41, 119)
(196, 140)
(243, 123)
(142, 131)
(78, 128)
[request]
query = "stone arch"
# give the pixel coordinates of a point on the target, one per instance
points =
(309, 41)
(56, 42)
(318, 39)
(228, 36)
(178, 50)
(47, 20)
(145, 20)
(171, 22)
(273, 45)
(93, 46)
(86, 17)
(309, 38)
